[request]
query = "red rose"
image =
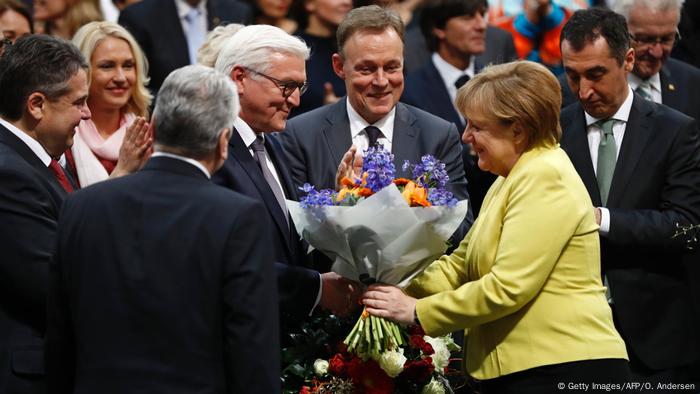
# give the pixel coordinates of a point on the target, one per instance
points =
(416, 341)
(427, 349)
(337, 366)
(418, 371)
(305, 390)
(416, 330)
(369, 378)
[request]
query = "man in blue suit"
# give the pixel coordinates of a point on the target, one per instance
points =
(171, 31)
(44, 88)
(268, 67)
(161, 279)
(370, 60)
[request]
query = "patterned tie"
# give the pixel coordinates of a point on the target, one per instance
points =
(644, 90)
(461, 81)
(60, 175)
(195, 36)
(260, 155)
(373, 134)
(607, 156)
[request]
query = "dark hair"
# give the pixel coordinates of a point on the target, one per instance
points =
(436, 13)
(585, 26)
(371, 17)
(18, 7)
(36, 63)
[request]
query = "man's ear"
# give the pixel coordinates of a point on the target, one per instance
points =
(439, 33)
(338, 65)
(35, 105)
(629, 60)
(238, 74)
(222, 148)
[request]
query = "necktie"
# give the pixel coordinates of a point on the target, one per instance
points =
(260, 155)
(607, 156)
(644, 90)
(195, 36)
(373, 135)
(57, 171)
(461, 81)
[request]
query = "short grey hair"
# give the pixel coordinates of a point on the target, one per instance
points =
(252, 46)
(195, 103)
(209, 51)
(623, 7)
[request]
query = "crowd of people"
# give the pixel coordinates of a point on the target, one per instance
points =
(145, 164)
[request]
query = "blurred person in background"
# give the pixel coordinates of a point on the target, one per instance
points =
(323, 18)
(62, 18)
(115, 141)
(216, 39)
(275, 13)
(15, 21)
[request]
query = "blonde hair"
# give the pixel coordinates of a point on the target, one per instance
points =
(87, 39)
(523, 93)
(209, 51)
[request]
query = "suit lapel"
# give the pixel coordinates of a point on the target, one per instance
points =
(245, 160)
(337, 133)
(670, 95)
(437, 97)
(274, 150)
(403, 145)
(171, 22)
(575, 141)
(637, 133)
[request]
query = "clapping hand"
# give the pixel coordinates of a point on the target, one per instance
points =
(136, 148)
(350, 166)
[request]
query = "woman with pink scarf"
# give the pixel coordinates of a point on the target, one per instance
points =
(116, 140)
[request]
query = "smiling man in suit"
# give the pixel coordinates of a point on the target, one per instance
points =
(161, 279)
(370, 60)
(268, 67)
(640, 162)
(44, 88)
(171, 31)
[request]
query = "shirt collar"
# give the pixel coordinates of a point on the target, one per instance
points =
(33, 144)
(654, 81)
(358, 123)
(622, 114)
(183, 7)
(450, 73)
(247, 134)
(185, 159)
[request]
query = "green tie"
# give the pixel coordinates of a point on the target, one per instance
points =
(644, 90)
(607, 156)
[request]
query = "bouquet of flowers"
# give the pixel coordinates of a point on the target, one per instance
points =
(380, 228)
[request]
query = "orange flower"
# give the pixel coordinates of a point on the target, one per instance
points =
(347, 182)
(408, 191)
(419, 197)
(364, 192)
(401, 181)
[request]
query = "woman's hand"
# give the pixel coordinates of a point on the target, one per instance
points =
(390, 302)
(136, 148)
(350, 166)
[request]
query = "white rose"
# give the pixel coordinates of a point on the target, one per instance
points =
(392, 362)
(441, 357)
(320, 367)
(434, 387)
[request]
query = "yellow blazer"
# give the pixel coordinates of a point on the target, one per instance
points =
(525, 282)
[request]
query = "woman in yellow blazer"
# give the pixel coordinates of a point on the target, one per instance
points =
(525, 282)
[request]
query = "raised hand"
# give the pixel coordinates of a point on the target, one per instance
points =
(136, 148)
(350, 166)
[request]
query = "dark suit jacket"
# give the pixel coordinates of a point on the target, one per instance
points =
(656, 184)
(499, 48)
(161, 285)
(315, 142)
(679, 88)
(298, 285)
(30, 199)
(156, 26)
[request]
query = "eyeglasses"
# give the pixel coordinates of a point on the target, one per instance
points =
(287, 87)
(668, 40)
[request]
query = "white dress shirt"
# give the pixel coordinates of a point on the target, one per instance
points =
(654, 82)
(358, 125)
(194, 162)
(594, 135)
(450, 74)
